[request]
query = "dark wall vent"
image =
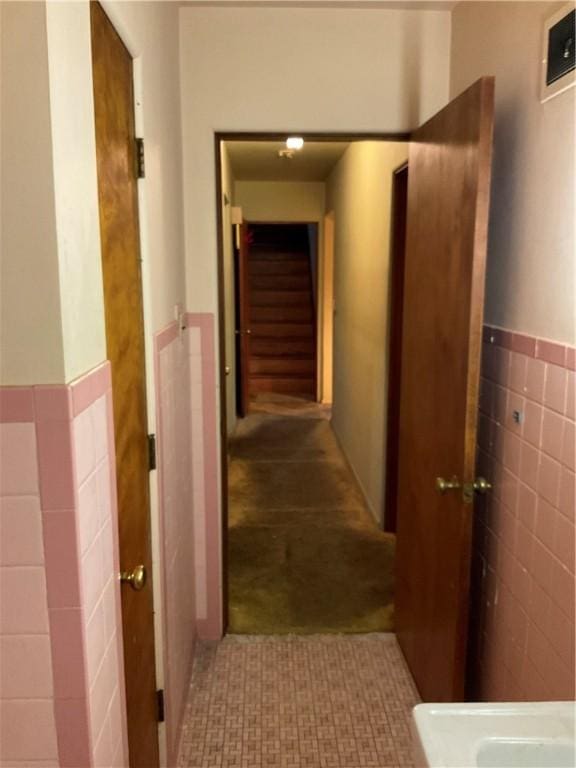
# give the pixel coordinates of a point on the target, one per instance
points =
(561, 50)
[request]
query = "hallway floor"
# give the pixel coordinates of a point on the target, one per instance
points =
(331, 701)
(305, 554)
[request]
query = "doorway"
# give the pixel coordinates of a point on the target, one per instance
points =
(276, 296)
(306, 550)
(446, 185)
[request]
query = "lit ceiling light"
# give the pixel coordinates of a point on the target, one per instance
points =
(295, 142)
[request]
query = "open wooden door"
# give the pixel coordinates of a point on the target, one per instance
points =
(243, 322)
(448, 203)
(118, 202)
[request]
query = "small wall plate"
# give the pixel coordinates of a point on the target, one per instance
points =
(566, 81)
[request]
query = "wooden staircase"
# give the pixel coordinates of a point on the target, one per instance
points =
(282, 322)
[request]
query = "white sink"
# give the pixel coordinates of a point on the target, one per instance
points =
(539, 735)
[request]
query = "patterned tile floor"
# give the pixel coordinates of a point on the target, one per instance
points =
(316, 701)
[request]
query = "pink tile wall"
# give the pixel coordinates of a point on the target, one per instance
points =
(525, 544)
(27, 720)
(188, 483)
(176, 524)
(206, 481)
(100, 621)
(60, 515)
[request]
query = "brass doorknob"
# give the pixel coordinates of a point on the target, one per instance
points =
(136, 578)
(481, 485)
(447, 485)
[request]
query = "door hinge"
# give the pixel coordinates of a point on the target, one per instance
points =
(140, 165)
(151, 452)
(160, 705)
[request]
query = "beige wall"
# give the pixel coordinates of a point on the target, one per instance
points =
(301, 69)
(359, 193)
(280, 200)
(531, 263)
(229, 291)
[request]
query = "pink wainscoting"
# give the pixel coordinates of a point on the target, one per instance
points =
(99, 564)
(58, 473)
(525, 551)
(190, 532)
(27, 720)
(176, 524)
(206, 488)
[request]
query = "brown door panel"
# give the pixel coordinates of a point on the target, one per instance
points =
(448, 201)
(118, 204)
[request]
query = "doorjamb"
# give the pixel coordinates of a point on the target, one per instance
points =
(156, 544)
(325, 335)
(394, 351)
(219, 137)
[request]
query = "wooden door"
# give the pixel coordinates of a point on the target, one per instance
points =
(448, 202)
(243, 323)
(397, 265)
(117, 191)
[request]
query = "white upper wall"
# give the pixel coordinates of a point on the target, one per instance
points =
(150, 32)
(531, 259)
(75, 186)
(52, 322)
(296, 69)
(31, 346)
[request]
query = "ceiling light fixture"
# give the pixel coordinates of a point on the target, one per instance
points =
(294, 142)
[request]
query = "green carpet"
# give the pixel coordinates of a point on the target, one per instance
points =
(305, 555)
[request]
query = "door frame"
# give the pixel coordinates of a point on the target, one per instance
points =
(399, 208)
(325, 329)
(137, 55)
(219, 137)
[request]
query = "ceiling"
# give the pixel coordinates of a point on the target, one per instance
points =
(259, 161)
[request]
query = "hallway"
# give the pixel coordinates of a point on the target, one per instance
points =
(305, 554)
(299, 702)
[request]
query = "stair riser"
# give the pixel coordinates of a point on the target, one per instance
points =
(294, 330)
(266, 254)
(280, 347)
(290, 367)
(280, 283)
(257, 268)
(280, 314)
(280, 299)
